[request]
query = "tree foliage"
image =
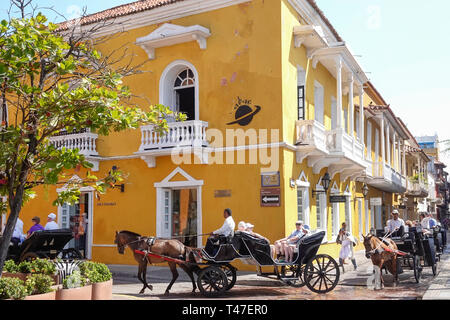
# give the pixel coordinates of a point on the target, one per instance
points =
(54, 82)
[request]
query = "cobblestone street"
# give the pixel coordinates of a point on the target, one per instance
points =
(353, 285)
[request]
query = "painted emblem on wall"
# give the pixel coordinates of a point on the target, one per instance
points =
(243, 112)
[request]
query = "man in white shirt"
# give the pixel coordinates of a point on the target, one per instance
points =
(226, 230)
(396, 225)
(18, 236)
(51, 224)
(424, 221)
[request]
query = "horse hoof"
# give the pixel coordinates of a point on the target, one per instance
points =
(150, 287)
(166, 293)
(142, 291)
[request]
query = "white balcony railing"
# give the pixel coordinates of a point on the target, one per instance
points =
(311, 133)
(84, 142)
(180, 134)
(338, 141)
(415, 187)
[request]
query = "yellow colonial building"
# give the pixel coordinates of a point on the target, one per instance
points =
(274, 100)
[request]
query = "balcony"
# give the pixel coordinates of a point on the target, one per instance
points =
(418, 189)
(85, 142)
(311, 139)
(335, 149)
(186, 136)
(387, 178)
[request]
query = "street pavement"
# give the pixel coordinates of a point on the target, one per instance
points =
(353, 285)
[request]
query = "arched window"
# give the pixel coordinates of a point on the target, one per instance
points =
(179, 89)
(185, 79)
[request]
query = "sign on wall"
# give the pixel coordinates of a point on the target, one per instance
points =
(338, 199)
(271, 197)
(244, 112)
(270, 179)
(376, 202)
(222, 193)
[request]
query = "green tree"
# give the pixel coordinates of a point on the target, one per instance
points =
(53, 80)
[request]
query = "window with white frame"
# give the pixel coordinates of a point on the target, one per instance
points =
(301, 79)
(367, 219)
(360, 217)
(333, 113)
(348, 215)
(303, 205)
(369, 140)
(335, 219)
(318, 102)
(321, 213)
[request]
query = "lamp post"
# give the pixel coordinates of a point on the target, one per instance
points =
(325, 184)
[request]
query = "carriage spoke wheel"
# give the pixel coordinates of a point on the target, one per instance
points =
(230, 272)
(321, 274)
(417, 268)
(212, 281)
(292, 275)
(70, 254)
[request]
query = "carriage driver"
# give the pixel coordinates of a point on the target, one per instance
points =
(396, 225)
(226, 230)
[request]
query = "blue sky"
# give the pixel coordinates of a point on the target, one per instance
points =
(403, 46)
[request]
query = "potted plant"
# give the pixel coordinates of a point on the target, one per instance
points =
(12, 270)
(12, 289)
(75, 288)
(39, 287)
(101, 279)
(46, 267)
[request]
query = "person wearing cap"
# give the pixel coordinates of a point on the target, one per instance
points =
(51, 224)
(396, 226)
(36, 226)
(242, 226)
(249, 229)
(287, 245)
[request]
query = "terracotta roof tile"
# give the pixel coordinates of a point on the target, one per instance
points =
(120, 11)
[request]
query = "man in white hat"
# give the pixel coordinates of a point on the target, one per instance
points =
(51, 224)
(396, 226)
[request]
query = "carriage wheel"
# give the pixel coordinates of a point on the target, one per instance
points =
(71, 254)
(230, 272)
(292, 275)
(417, 268)
(321, 274)
(212, 281)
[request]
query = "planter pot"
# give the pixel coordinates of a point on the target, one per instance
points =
(21, 276)
(83, 293)
(44, 296)
(102, 290)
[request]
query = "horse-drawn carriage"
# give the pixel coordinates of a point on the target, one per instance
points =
(44, 244)
(215, 275)
(416, 251)
(320, 273)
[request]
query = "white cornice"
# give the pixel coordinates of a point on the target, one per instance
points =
(312, 17)
(164, 13)
(171, 34)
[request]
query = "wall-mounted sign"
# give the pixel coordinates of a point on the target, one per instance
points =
(270, 197)
(338, 199)
(244, 112)
(222, 193)
(106, 204)
(376, 202)
(270, 179)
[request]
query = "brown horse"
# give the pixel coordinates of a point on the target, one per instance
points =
(169, 248)
(382, 254)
